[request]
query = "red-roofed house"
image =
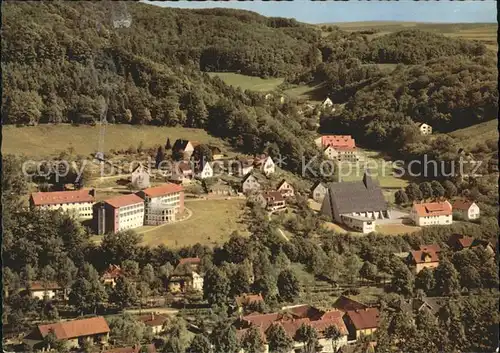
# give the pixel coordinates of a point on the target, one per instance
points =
(155, 321)
(362, 322)
(74, 332)
(46, 290)
(285, 188)
(431, 213)
(293, 317)
(274, 200)
(431, 247)
(468, 209)
(460, 242)
(186, 276)
(163, 204)
(119, 213)
(265, 164)
(110, 276)
(77, 203)
(150, 348)
(423, 259)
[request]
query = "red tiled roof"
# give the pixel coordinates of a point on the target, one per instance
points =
(430, 247)
(338, 141)
(273, 196)
(51, 198)
(76, 328)
(39, 285)
(113, 271)
(419, 256)
(433, 209)
(364, 319)
(133, 349)
(124, 200)
(162, 190)
(462, 205)
(152, 319)
(346, 304)
(190, 260)
(246, 299)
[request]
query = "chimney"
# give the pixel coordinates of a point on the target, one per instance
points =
(152, 316)
(92, 192)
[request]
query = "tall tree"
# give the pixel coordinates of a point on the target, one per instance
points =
(437, 189)
(333, 333)
(224, 338)
(368, 271)
(252, 341)
(200, 344)
(402, 281)
(413, 192)
(450, 190)
(124, 293)
(308, 336)
(278, 340)
(216, 286)
(400, 197)
(446, 278)
(168, 145)
(288, 285)
(426, 190)
(425, 280)
(160, 156)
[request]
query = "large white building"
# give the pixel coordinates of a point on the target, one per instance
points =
(432, 213)
(77, 203)
(119, 213)
(163, 204)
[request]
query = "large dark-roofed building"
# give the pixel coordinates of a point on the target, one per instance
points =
(356, 204)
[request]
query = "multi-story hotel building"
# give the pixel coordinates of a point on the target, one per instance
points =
(162, 204)
(119, 213)
(77, 203)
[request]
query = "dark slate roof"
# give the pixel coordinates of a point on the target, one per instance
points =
(354, 196)
(180, 144)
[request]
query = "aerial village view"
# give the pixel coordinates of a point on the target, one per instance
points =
(250, 177)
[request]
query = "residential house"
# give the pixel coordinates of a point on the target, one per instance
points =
(431, 213)
(419, 259)
(205, 171)
(430, 247)
(265, 164)
(433, 305)
(274, 200)
(150, 348)
(240, 167)
(318, 191)
(327, 103)
(362, 322)
(140, 177)
(111, 275)
(357, 204)
(459, 242)
(75, 332)
(285, 188)
(469, 210)
(245, 300)
(46, 290)
(425, 129)
(154, 321)
(292, 318)
(185, 147)
(250, 183)
(118, 214)
(217, 153)
(162, 204)
(186, 276)
(220, 188)
(77, 203)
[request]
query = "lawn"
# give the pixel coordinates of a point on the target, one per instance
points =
(471, 135)
(396, 229)
(245, 82)
(312, 93)
(46, 140)
(212, 223)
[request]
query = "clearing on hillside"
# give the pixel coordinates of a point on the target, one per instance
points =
(47, 140)
(251, 83)
(471, 135)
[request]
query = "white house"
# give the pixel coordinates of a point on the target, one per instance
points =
(286, 189)
(318, 192)
(327, 103)
(468, 209)
(155, 321)
(250, 183)
(265, 164)
(432, 213)
(425, 129)
(45, 290)
(206, 171)
(140, 177)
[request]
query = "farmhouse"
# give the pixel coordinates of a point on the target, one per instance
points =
(425, 129)
(467, 209)
(186, 277)
(356, 204)
(285, 188)
(76, 203)
(431, 213)
(118, 214)
(46, 290)
(420, 259)
(292, 318)
(185, 147)
(318, 191)
(94, 330)
(250, 183)
(154, 321)
(265, 164)
(111, 275)
(163, 204)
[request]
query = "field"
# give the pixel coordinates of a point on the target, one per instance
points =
(45, 140)
(396, 229)
(313, 93)
(248, 82)
(212, 223)
(470, 136)
(483, 32)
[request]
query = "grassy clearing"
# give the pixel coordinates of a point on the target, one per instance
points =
(396, 229)
(471, 135)
(212, 223)
(248, 82)
(312, 93)
(46, 140)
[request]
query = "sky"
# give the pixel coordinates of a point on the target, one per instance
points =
(445, 11)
